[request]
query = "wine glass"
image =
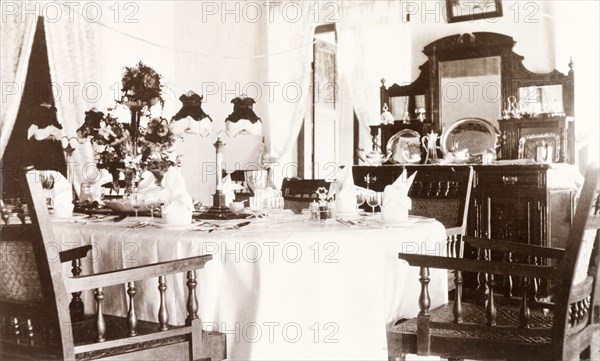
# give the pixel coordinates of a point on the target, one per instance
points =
(256, 206)
(136, 202)
(256, 179)
(374, 200)
(360, 200)
(152, 201)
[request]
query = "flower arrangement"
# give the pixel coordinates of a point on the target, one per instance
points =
(156, 144)
(117, 152)
(142, 85)
(129, 148)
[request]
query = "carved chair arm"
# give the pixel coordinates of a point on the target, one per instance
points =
(132, 274)
(463, 264)
(525, 249)
(74, 253)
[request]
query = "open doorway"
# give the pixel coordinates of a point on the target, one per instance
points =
(319, 139)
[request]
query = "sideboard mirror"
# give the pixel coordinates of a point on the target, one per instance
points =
(478, 75)
(543, 94)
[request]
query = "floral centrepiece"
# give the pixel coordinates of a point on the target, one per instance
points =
(141, 84)
(117, 152)
(127, 147)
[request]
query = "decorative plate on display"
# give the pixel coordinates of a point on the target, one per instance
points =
(474, 135)
(404, 147)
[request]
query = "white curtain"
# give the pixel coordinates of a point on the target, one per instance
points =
(17, 39)
(87, 55)
(374, 43)
(579, 20)
(290, 48)
(75, 61)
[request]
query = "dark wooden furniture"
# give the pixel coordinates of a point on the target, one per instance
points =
(515, 203)
(37, 321)
(299, 193)
(484, 70)
(408, 94)
(238, 177)
(517, 133)
(461, 330)
(510, 202)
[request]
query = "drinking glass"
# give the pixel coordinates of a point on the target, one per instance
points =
(136, 202)
(360, 200)
(152, 201)
(373, 201)
(256, 205)
(256, 179)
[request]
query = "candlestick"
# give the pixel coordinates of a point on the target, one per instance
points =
(219, 159)
(219, 210)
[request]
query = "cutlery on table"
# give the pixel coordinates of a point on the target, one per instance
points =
(235, 226)
(139, 225)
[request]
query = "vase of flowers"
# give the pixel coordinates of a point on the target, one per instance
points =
(129, 149)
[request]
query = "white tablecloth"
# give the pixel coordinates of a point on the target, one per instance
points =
(281, 288)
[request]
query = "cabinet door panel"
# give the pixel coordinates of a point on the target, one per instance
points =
(560, 217)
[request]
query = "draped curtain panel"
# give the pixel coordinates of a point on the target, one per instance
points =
(17, 39)
(373, 43)
(579, 20)
(290, 72)
(74, 56)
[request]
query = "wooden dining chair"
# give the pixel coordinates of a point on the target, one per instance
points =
(444, 193)
(238, 177)
(527, 330)
(299, 193)
(39, 321)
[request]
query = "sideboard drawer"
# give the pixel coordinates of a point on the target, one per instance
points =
(507, 179)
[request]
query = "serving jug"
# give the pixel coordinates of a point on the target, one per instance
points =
(429, 142)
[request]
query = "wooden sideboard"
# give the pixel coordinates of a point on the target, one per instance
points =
(516, 203)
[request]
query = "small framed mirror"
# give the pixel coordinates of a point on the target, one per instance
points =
(541, 100)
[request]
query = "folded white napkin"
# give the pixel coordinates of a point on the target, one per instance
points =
(229, 188)
(345, 193)
(396, 202)
(178, 204)
(61, 192)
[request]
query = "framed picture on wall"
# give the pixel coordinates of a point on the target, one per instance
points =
(469, 10)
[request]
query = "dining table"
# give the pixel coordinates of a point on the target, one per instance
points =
(280, 285)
